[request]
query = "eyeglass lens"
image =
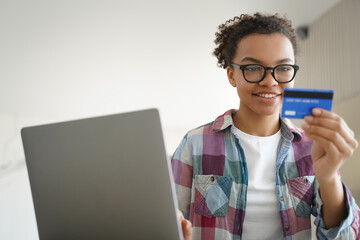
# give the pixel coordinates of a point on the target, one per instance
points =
(282, 73)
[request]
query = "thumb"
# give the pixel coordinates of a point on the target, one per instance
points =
(187, 229)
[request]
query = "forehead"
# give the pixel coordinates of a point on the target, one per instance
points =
(267, 48)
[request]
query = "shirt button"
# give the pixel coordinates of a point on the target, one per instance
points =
(281, 199)
(287, 227)
(212, 178)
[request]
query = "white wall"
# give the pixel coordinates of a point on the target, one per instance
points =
(330, 56)
(349, 109)
(71, 59)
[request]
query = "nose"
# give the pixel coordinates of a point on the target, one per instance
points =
(268, 80)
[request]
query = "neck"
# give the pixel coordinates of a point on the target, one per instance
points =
(256, 125)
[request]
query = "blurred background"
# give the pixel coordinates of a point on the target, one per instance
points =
(71, 59)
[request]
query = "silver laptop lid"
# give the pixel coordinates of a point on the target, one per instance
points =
(102, 178)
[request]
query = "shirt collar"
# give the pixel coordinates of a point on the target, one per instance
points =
(224, 121)
(289, 130)
(287, 127)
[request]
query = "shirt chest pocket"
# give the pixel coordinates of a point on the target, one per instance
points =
(301, 193)
(212, 194)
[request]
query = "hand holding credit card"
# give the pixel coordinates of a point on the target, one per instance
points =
(299, 102)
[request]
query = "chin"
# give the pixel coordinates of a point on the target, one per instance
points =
(268, 112)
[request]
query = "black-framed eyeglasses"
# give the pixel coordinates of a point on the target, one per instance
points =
(255, 73)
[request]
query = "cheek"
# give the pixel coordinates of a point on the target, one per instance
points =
(290, 84)
(287, 85)
(244, 88)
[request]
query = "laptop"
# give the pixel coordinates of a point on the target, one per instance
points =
(105, 177)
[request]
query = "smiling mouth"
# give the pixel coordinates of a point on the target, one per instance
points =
(267, 95)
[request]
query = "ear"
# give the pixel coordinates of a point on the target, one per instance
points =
(230, 75)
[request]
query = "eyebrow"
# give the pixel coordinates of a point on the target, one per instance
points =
(258, 61)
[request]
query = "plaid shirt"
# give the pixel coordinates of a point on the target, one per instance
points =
(211, 179)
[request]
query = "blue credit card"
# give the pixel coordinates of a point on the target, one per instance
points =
(299, 102)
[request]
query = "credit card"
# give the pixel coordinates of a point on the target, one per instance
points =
(299, 102)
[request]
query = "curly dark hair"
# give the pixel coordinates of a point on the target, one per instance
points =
(233, 30)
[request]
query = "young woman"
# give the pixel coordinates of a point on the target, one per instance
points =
(250, 174)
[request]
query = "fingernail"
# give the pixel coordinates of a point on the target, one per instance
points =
(305, 126)
(316, 111)
(309, 118)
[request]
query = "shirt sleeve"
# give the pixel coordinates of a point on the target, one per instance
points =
(182, 167)
(349, 228)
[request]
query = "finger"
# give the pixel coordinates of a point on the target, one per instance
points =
(329, 140)
(335, 122)
(180, 215)
(319, 112)
(337, 125)
(187, 229)
(323, 117)
(322, 114)
(324, 143)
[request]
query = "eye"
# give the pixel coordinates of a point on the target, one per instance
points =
(253, 68)
(284, 68)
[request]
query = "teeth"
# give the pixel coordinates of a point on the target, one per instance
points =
(267, 95)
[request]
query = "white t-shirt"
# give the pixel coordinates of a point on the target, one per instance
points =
(262, 219)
